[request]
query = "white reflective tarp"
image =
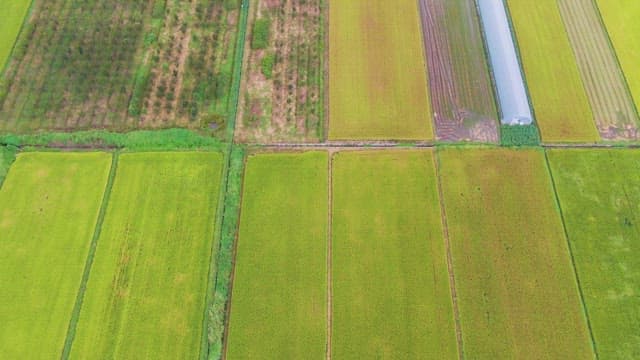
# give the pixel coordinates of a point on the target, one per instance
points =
(512, 95)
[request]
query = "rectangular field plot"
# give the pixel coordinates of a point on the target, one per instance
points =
(621, 20)
(49, 206)
(599, 192)
(11, 18)
(517, 293)
(145, 296)
(279, 301)
(391, 295)
(560, 102)
(377, 74)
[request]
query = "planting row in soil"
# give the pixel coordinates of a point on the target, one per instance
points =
(613, 109)
(599, 192)
(108, 64)
(462, 96)
(282, 93)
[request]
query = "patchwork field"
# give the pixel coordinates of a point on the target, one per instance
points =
(560, 102)
(462, 96)
(283, 80)
(621, 20)
(279, 301)
(11, 19)
(613, 109)
(145, 296)
(391, 295)
(377, 76)
(49, 206)
(517, 292)
(599, 192)
(120, 65)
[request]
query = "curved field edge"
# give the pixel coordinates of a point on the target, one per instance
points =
(13, 16)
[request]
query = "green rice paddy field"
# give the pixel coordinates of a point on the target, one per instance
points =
(146, 293)
(49, 206)
(279, 296)
(391, 295)
(11, 19)
(518, 295)
(599, 192)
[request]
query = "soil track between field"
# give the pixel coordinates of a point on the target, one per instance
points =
(329, 252)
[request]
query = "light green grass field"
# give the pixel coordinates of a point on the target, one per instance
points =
(279, 299)
(11, 18)
(518, 296)
(621, 20)
(560, 102)
(49, 206)
(145, 296)
(599, 191)
(391, 296)
(377, 76)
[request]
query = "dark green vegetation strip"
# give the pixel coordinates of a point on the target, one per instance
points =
(391, 296)
(49, 206)
(71, 331)
(599, 191)
(518, 296)
(519, 135)
(280, 278)
(146, 292)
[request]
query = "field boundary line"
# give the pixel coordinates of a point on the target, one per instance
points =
(75, 314)
(447, 243)
(26, 18)
(329, 253)
(570, 250)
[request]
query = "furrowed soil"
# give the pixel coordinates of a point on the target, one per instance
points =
(517, 293)
(145, 295)
(391, 295)
(377, 72)
(560, 102)
(120, 66)
(599, 192)
(49, 206)
(282, 93)
(279, 301)
(462, 96)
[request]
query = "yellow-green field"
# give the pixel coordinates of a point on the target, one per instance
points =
(377, 73)
(560, 102)
(11, 19)
(391, 295)
(599, 191)
(49, 206)
(279, 307)
(621, 20)
(145, 295)
(517, 292)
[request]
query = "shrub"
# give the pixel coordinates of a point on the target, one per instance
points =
(267, 65)
(519, 135)
(260, 35)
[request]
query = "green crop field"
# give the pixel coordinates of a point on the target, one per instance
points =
(599, 192)
(560, 102)
(11, 18)
(145, 296)
(517, 292)
(621, 20)
(391, 295)
(377, 73)
(49, 206)
(279, 301)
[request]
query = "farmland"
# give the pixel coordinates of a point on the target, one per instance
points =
(48, 209)
(391, 295)
(599, 192)
(281, 262)
(146, 291)
(11, 19)
(283, 80)
(560, 103)
(114, 65)
(377, 77)
(517, 292)
(614, 112)
(462, 96)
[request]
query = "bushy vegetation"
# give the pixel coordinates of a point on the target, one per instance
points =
(519, 135)
(267, 65)
(260, 34)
